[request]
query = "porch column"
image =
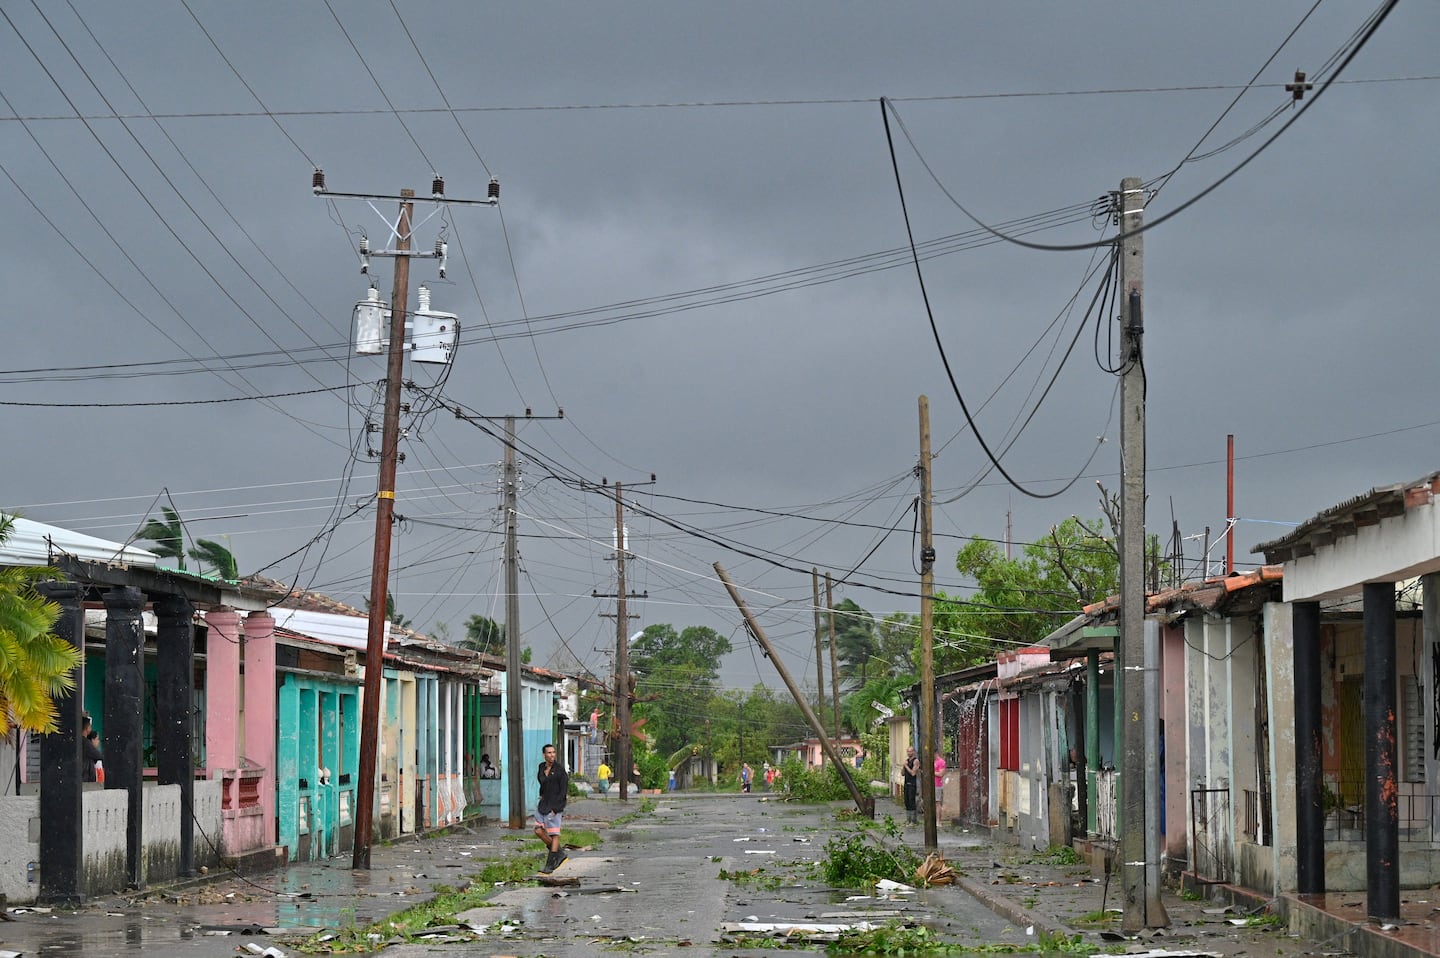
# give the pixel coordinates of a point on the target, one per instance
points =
(124, 716)
(1092, 737)
(1430, 679)
(222, 692)
(1309, 801)
(62, 831)
(1382, 821)
(260, 706)
(174, 713)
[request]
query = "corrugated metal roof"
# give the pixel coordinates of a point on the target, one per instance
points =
(1344, 519)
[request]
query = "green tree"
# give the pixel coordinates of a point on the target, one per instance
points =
(897, 637)
(483, 634)
(211, 553)
(1017, 602)
(676, 674)
(168, 536)
(35, 665)
(855, 644)
(391, 613)
(858, 708)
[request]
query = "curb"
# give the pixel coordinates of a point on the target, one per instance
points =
(1010, 911)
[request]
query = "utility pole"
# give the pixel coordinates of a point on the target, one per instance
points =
(1138, 851)
(834, 671)
(514, 766)
(622, 650)
(514, 712)
(865, 803)
(389, 459)
(623, 759)
(819, 651)
(380, 564)
(927, 636)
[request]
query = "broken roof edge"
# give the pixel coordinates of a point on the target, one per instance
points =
(1339, 512)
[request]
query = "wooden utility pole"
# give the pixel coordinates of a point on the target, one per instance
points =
(927, 637)
(622, 653)
(819, 641)
(834, 671)
(865, 803)
(1138, 853)
(514, 711)
(380, 565)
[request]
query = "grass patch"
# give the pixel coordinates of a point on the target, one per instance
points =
(646, 807)
(445, 903)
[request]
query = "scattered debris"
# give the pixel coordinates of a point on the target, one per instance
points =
(935, 871)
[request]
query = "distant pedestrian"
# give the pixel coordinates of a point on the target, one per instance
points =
(746, 774)
(860, 758)
(602, 776)
(89, 750)
(939, 782)
(769, 775)
(672, 780)
(487, 768)
(910, 773)
(554, 793)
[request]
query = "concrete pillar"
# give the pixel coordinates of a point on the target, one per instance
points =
(1382, 813)
(1309, 778)
(260, 691)
(222, 690)
(1429, 680)
(62, 832)
(174, 711)
(124, 716)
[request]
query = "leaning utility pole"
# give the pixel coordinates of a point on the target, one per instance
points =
(927, 636)
(864, 802)
(440, 341)
(1139, 853)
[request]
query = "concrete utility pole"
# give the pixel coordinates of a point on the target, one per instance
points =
(622, 653)
(927, 637)
(380, 564)
(1139, 874)
(389, 459)
(819, 646)
(514, 766)
(514, 711)
(864, 803)
(834, 671)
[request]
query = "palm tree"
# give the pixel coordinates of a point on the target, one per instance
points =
(168, 536)
(35, 665)
(211, 553)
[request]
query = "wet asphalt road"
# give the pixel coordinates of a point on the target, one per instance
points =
(667, 862)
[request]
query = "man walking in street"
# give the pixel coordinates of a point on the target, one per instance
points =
(554, 792)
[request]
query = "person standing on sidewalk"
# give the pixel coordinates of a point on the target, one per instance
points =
(939, 783)
(554, 793)
(602, 775)
(911, 775)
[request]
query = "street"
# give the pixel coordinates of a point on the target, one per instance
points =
(652, 886)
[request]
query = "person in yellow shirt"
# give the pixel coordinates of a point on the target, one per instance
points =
(602, 775)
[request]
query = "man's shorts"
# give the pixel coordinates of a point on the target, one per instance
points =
(550, 821)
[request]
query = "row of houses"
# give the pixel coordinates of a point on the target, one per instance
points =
(229, 721)
(1298, 716)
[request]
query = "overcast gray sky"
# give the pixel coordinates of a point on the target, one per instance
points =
(701, 256)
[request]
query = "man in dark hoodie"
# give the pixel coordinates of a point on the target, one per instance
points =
(554, 792)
